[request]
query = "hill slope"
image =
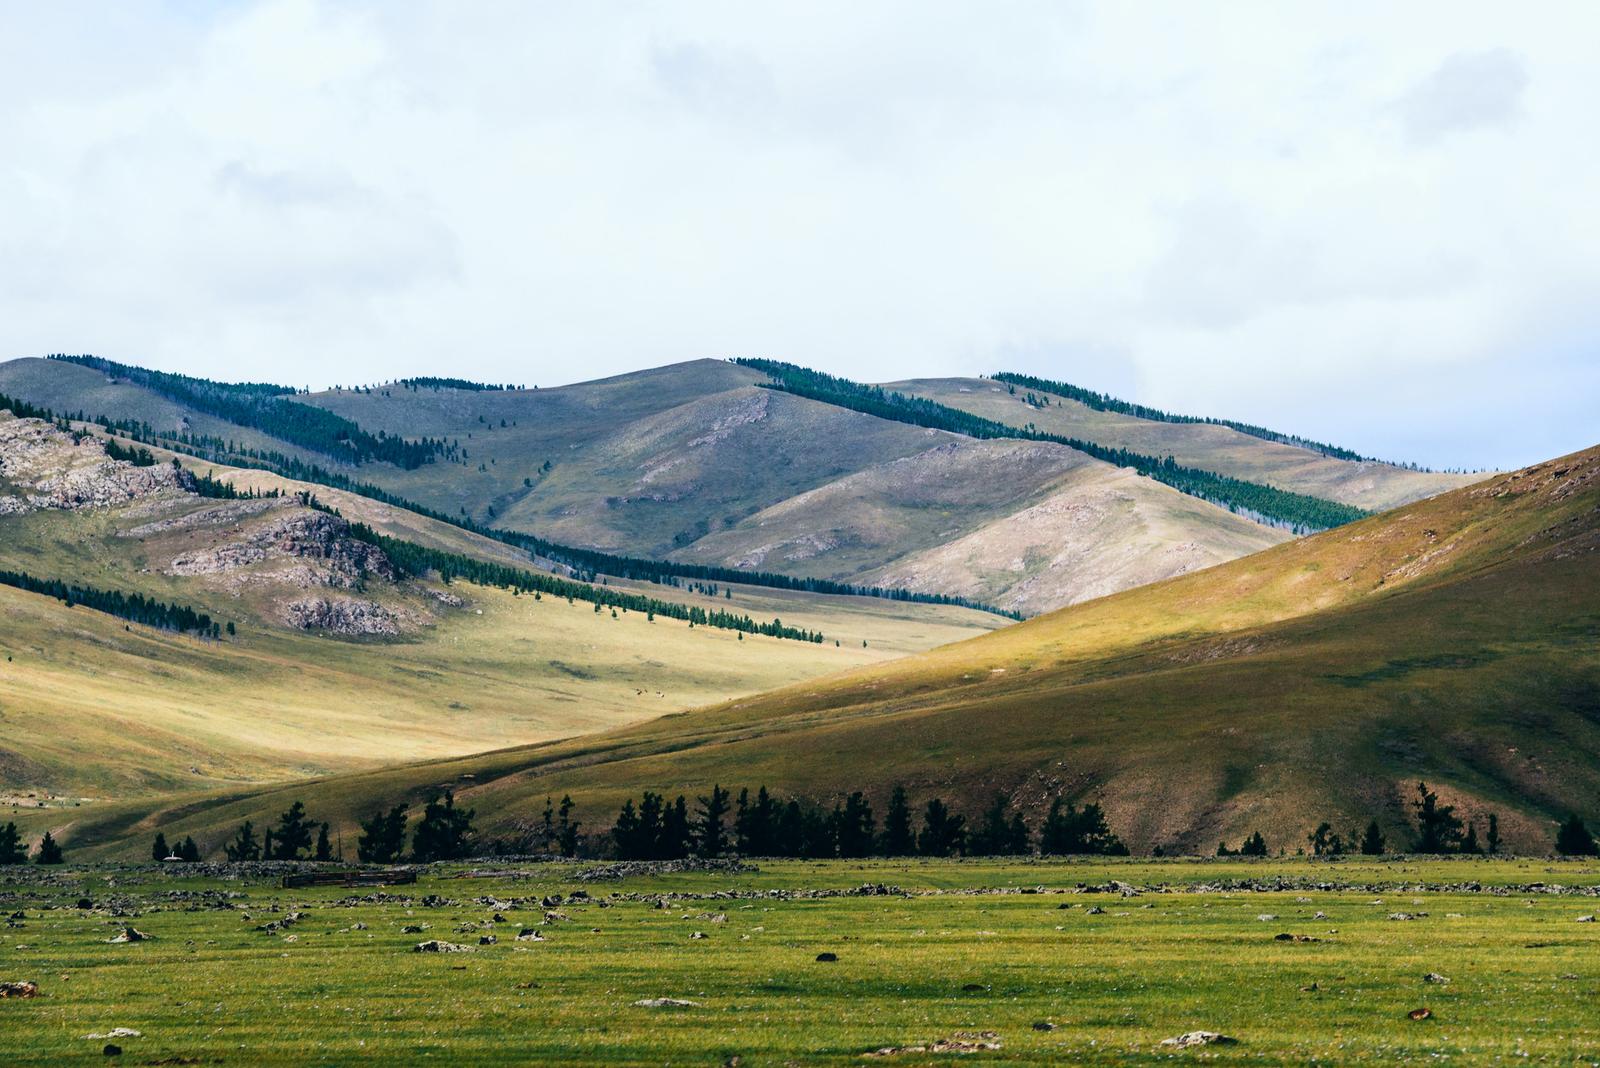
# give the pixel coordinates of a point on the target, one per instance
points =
(339, 660)
(1456, 640)
(1366, 484)
(694, 463)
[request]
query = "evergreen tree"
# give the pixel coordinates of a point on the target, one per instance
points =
(1372, 843)
(1438, 827)
(188, 851)
(710, 837)
(993, 836)
(12, 849)
(855, 826)
(1574, 840)
(293, 834)
(159, 849)
(1068, 831)
(324, 849)
(1254, 846)
(898, 838)
(755, 824)
(625, 836)
(942, 832)
(1469, 844)
(1493, 837)
(444, 832)
(791, 832)
(49, 851)
(676, 835)
(567, 829)
(244, 846)
(1018, 840)
(547, 825)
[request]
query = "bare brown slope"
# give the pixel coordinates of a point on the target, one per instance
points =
(1371, 485)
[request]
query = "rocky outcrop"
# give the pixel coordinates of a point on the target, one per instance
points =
(317, 548)
(42, 467)
(341, 615)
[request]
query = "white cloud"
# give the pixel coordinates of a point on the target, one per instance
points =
(1373, 224)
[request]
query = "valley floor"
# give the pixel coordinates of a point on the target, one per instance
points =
(1041, 961)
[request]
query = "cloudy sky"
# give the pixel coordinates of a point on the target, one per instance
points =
(1377, 225)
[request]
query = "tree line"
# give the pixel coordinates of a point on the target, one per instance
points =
(1299, 512)
(435, 383)
(1104, 402)
(132, 606)
(13, 850)
(760, 824)
(414, 559)
(266, 407)
(763, 825)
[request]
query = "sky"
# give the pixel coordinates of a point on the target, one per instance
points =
(1372, 224)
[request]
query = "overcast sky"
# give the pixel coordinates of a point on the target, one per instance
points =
(1377, 225)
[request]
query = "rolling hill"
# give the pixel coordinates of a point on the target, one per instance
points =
(698, 463)
(335, 658)
(1455, 640)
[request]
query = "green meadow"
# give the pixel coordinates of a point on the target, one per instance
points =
(1003, 961)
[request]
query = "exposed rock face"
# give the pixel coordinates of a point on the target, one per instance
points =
(316, 547)
(340, 615)
(41, 467)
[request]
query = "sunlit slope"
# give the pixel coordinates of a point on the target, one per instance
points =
(1456, 640)
(1371, 485)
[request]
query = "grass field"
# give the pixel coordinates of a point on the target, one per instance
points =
(964, 952)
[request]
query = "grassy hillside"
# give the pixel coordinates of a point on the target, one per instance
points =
(1454, 640)
(694, 463)
(94, 706)
(1365, 484)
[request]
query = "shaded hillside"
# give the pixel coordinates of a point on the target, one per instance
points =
(1366, 484)
(1455, 640)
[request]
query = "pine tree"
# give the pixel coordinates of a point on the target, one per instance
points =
(1438, 827)
(992, 835)
(1469, 844)
(159, 849)
(12, 849)
(710, 836)
(188, 851)
(676, 834)
(898, 838)
(1068, 831)
(1254, 846)
(1372, 843)
(293, 835)
(244, 846)
(383, 837)
(790, 840)
(567, 829)
(854, 828)
(49, 851)
(444, 832)
(942, 833)
(1493, 837)
(324, 850)
(1574, 839)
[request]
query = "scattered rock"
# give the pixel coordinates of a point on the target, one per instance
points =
(529, 934)
(115, 1032)
(111, 1049)
(1585, 919)
(697, 935)
(1420, 1014)
(971, 988)
(487, 940)
(1267, 917)
(1434, 977)
(1043, 1025)
(1199, 1038)
(960, 1042)
(437, 946)
(666, 1003)
(132, 934)
(827, 958)
(413, 928)
(19, 990)
(1287, 937)
(1095, 911)
(1406, 915)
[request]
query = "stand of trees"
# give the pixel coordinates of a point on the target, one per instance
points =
(1297, 511)
(1104, 402)
(265, 407)
(133, 606)
(431, 382)
(416, 559)
(763, 825)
